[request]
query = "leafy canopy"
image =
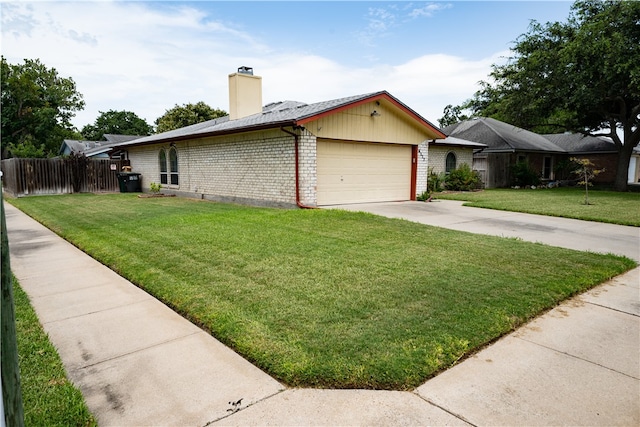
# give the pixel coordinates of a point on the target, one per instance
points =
(582, 76)
(116, 122)
(185, 115)
(37, 108)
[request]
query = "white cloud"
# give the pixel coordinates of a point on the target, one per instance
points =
(128, 56)
(428, 10)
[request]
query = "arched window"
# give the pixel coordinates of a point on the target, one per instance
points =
(450, 163)
(173, 165)
(162, 162)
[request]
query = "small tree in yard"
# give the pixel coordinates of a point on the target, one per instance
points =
(585, 172)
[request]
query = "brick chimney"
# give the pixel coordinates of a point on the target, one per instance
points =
(245, 93)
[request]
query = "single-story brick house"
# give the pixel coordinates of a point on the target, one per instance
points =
(364, 148)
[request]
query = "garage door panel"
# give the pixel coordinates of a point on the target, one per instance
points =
(351, 172)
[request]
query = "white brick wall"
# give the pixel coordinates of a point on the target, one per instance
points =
(307, 166)
(422, 172)
(438, 156)
(256, 167)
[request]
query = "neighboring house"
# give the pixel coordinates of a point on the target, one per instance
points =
(449, 153)
(601, 151)
(634, 167)
(94, 149)
(364, 148)
(506, 146)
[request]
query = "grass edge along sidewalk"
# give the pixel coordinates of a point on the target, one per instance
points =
(325, 298)
(605, 206)
(48, 397)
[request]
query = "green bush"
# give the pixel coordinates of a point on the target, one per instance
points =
(423, 197)
(463, 179)
(435, 182)
(523, 175)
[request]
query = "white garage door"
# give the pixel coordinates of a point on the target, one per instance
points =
(351, 172)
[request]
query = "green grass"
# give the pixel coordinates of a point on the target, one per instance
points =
(605, 206)
(325, 298)
(48, 398)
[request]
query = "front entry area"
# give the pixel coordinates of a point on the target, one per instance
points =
(362, 172)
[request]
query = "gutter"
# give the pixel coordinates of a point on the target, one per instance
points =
(296, 143)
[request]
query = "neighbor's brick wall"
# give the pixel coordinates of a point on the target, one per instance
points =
(251, 167)
(438, 156)
(422, 172)
(608, 162)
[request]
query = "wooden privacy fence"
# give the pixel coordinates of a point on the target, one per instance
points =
(22, 177)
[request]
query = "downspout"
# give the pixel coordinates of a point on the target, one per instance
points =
(295, 139)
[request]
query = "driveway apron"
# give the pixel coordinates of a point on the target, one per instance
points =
(562, 232)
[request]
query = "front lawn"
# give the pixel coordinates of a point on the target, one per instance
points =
(325, 298)
(605, 206)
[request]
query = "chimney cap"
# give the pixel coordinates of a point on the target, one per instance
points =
(245, 70)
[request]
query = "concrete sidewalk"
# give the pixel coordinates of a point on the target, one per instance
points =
(138, 363)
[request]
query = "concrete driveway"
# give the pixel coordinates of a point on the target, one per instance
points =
(554, 231)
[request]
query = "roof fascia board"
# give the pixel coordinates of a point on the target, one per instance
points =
(453, 144)
(374, 97)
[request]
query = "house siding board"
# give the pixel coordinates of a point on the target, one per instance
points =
(258, 166)
(357, 124)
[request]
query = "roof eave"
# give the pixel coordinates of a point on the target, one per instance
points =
(223, 132)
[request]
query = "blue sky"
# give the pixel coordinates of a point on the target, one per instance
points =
(146, 57)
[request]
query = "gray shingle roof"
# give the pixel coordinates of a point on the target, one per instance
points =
(576, 143)
(500, 136)
(110, 137)
(91, 148)
(276, 114)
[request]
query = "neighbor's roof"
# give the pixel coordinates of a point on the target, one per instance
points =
(457, 142)
(110, 137)
(91, 148)
(576, 143)
(500, 136)
(277, 114)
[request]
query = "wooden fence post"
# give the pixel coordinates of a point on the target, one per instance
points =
(11, 391)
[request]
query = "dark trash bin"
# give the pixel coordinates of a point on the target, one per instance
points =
(130, 182)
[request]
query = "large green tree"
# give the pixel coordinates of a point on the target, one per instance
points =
(582, 75)
(185, 115)
(37, 108)
(116, 122)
